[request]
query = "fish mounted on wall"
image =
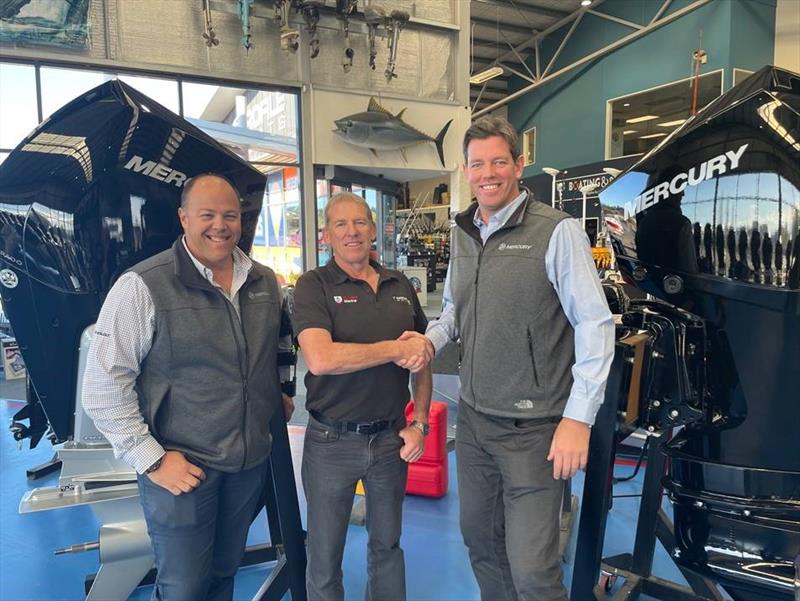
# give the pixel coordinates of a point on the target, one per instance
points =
(378, 129)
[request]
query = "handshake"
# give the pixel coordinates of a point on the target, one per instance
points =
(414, 351)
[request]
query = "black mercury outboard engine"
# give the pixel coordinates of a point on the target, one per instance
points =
(92, 191)
(708, 222)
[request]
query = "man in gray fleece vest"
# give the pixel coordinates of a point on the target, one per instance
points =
(182, 379)
(523, 297)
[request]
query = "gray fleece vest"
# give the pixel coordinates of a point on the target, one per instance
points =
(517, 345)
(210, 384)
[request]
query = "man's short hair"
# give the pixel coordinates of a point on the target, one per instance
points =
(347, 197)
(488, 127)
(193, 181)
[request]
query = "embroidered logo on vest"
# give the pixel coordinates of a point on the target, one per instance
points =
(504, 246)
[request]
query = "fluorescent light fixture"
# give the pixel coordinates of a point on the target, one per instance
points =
(648, 136)
(642, 118)
(612, 171)
(586, 2)
(672, 123)
(486, 75)
(626, 104)
(629, 131)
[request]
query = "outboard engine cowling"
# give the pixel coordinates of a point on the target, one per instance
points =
(709, 221)
(89, 193)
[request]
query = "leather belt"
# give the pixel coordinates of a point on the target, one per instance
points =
(365, 428)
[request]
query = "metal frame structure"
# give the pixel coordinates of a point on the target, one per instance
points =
(593, 574)
(574, 19)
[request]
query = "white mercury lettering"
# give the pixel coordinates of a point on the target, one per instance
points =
(158, 171)
(718, 165)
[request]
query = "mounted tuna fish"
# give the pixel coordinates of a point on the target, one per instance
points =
(377, 129)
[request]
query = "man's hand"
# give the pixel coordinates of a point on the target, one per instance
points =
(176, 474)
(414, 445)
(569, 449)
(418, 351)
(288, 406)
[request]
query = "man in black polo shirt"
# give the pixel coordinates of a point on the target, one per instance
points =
(349, 316)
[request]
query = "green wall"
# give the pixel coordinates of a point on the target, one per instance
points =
(569, 113)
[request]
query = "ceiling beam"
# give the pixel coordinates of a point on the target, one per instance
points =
(525, 8)
(619, 43)
(487, 94)
(625, 22)
(519, 74)
(485, 41)
(554, 27)
(495, 25)
(498, 83)
(492, 51)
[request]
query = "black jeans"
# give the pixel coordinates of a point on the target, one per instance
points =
(510, 506)
(333, 462)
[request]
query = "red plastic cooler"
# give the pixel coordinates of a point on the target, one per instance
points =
(428, 476)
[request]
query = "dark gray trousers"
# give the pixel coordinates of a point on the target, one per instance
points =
(510, 506)
(199, 537)
(333, 463)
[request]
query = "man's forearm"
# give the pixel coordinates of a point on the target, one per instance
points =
(347, 357)
(423, 389)
(442, 330)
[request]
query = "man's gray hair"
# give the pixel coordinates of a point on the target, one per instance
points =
(346, 197)
(488, 127)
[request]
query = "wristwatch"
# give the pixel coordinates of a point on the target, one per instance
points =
(155, 466)
(422, 427)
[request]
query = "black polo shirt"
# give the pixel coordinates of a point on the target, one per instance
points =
(328, 298)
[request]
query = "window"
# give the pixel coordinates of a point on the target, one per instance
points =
(739, 75)
(60, 86)
(18, 112)
(279, 241)
(638, 122)
(261, 127)
(529, 146)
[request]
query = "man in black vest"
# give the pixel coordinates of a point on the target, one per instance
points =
(523, 297)
(182, 378)
(349, 316)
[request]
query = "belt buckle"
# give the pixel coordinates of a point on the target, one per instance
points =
(365, 429)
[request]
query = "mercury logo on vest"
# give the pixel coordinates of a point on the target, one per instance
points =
(504, 246)
(157, 171)
(402, 299)
(345, 299)
(718, 165)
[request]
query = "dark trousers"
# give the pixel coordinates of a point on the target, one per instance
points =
(199, 537)
(333, 462)
(510, 506)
